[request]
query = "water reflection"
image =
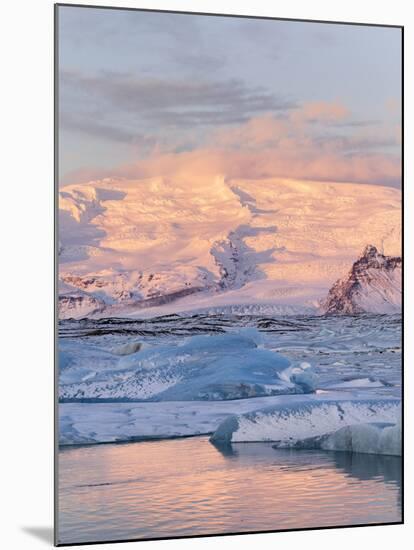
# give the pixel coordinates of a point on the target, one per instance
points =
(366, 466)
(358, 465)
(190, 487)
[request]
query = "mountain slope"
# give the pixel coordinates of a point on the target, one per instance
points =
(130, 245)
(373, 285)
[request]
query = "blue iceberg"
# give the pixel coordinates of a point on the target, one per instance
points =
(213, 367)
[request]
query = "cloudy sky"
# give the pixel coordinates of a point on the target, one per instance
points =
(156, 93)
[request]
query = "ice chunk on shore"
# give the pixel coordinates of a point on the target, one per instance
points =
(287, 424)
(219, 367)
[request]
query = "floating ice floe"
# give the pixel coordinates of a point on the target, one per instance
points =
(374, 438)
(357, 383)
(88, 423)
(211, 367)
(290, 424)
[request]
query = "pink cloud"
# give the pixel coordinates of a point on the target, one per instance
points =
(292, 163)
(321, 111)
(267, 146)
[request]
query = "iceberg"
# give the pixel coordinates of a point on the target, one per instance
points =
(112, 391)
(103, 422)
(303, 375)
(290, 424)
(374, 438)
(203, 368)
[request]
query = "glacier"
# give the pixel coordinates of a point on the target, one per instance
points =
(159, 246)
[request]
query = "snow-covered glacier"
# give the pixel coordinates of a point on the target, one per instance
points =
(155, 246)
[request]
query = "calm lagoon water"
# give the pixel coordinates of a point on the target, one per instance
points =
(190, 487)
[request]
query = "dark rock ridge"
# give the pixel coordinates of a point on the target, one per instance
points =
(87, 305)
(70, 305)
(373, 285)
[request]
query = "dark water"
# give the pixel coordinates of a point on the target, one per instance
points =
(189, 487)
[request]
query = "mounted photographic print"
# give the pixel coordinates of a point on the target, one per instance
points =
(229, 274)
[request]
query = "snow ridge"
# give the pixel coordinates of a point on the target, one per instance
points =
(128, 246)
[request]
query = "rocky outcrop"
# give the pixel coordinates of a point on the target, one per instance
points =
(373, 285)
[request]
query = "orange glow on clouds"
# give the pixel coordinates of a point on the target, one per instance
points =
(269, 146)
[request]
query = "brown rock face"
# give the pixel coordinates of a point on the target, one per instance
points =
(371, 283)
